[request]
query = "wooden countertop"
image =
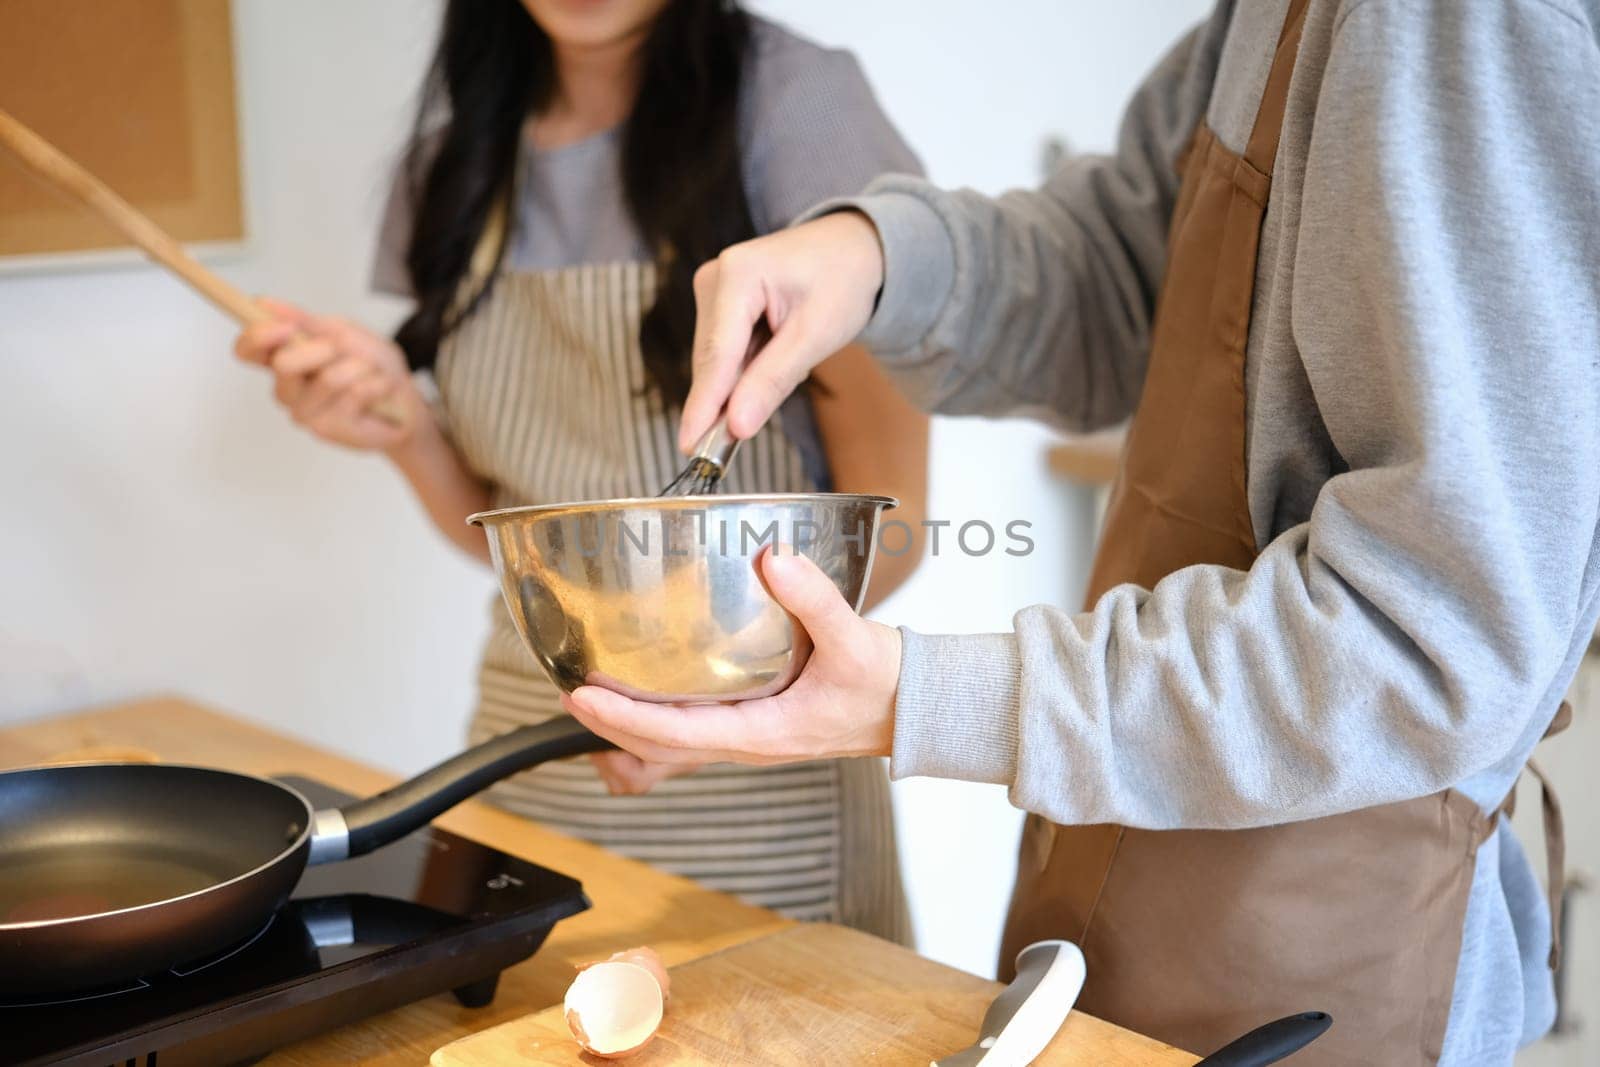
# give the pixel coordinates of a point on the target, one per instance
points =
(633, 904)
(809, 996)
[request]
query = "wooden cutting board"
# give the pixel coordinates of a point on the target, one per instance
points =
(812, 994)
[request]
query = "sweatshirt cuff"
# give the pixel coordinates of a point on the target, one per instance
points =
(956, 711)
(919, 266)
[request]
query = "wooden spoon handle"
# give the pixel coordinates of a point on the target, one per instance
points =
(61, 171)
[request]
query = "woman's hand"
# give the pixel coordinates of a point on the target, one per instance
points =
(841, 705)
(815, 283)
(329, 373)
(626, 775)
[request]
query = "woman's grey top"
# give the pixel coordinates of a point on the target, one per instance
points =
(809, 126)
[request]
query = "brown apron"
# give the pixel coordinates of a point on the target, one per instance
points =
(1195, 937)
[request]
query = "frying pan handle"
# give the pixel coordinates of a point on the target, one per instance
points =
(1272, 1042)
(390, 815)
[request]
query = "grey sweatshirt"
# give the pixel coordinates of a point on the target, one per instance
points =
(1423, 443)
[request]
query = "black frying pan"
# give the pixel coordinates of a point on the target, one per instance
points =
(109, 872)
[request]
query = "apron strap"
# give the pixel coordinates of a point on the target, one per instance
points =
(1262, 148)
(1562, 720)
(1555, 835)
(491, 242)
(1555, 858)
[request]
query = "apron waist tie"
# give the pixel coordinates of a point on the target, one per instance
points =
(1555, 836)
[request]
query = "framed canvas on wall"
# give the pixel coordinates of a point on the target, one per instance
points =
(140, 92)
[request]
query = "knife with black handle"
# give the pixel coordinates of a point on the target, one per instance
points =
(1272, 1042)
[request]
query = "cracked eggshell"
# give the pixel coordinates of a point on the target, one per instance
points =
(645, 957)
(614, 1008)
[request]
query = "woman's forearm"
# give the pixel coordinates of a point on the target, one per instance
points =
(447, 489)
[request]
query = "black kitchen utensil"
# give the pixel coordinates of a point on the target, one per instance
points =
(1272, 1042)
(112, 871)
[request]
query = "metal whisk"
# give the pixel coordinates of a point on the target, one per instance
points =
(712, 457)
(714, 452)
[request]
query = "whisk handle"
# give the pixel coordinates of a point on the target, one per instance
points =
(717, 446)
(713, 453)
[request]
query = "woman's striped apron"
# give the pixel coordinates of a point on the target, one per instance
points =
(542, 390)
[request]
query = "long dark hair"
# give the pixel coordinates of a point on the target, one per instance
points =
(680, 161)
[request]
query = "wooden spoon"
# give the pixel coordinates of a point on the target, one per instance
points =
(49, 163)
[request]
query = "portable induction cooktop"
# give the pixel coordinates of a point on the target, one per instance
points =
(431, 913)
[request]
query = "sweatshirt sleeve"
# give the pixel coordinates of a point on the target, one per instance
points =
(1039, 302)
(1416, 630)
(815, 128)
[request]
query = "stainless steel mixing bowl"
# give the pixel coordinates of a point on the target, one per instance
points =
(660, 598)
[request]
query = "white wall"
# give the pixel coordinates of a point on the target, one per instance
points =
(167, 530)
